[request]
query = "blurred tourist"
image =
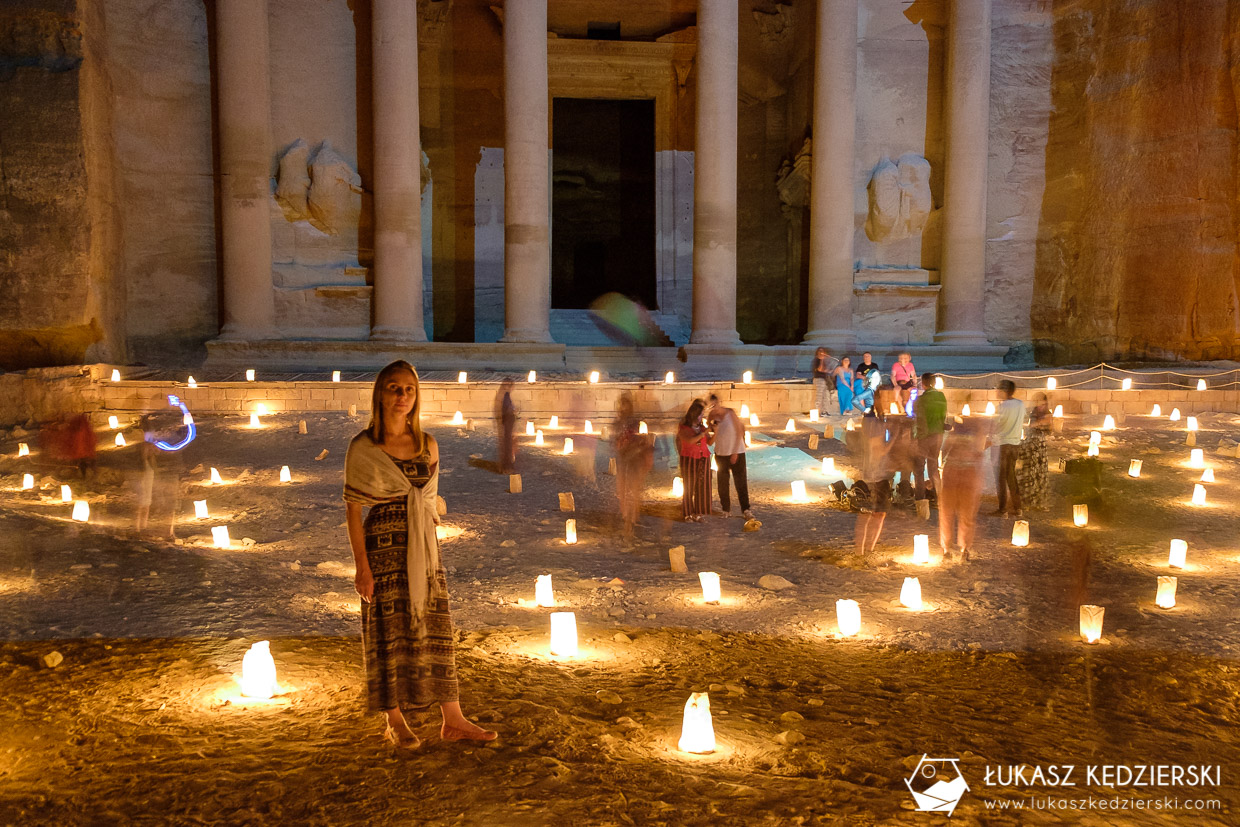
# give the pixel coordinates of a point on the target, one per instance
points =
(505, 426)
(824, 383)
(1007, 437)
(875, 501)
(929, 421)
(961, 494)
(634, 458)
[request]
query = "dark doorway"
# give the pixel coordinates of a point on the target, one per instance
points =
(602, 201)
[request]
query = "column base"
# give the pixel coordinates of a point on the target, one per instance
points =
(231, 332)
(961, 337)
(715, 337)
(527, 335)
(829, 338)
(388, 333)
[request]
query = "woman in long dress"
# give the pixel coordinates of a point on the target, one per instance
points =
(844, 385)
(1031, 470)
(693, 441)
(393, 467)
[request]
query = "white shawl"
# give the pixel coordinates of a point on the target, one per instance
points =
(372, 477)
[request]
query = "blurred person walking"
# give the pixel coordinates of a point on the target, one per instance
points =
(824, 382)
(505, 427)
(961, 494)
(872, 462)
(634, 459)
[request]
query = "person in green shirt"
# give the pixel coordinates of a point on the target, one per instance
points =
(929, 418)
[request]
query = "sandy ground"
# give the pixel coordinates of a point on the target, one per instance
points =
(142, 722)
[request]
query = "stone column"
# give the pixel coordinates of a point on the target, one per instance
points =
(397, 184)
(714, 176)
(962, 298)
(245, 167)
(527, 191)
(831, 177)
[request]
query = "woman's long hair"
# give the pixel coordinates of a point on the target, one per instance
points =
(695, 410)
(414, 420)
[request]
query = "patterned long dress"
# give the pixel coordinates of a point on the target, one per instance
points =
(1031, 476)
(407, 667)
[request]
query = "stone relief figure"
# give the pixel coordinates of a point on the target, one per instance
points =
(793, 181)
(899, 197)
(323, 190)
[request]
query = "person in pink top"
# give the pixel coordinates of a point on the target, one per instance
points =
(904, 377)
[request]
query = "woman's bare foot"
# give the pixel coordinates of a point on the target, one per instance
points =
(463, 730)
(398, 731)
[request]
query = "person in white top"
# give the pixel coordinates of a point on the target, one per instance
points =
(729, 434)
(1007, 437)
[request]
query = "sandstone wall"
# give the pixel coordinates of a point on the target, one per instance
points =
(1137, 253)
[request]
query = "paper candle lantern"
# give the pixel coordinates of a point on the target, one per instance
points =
(1080, 514)
(564, 634)
(1197, 458)
(116, 375)
(66, 494)
(747, 377)
(1020, 533)
(848, 617)
(113, 422)
(894, 409)
(23, 450)
(1108, 424)
(1201, 384)
(219, 536)
(642, 428)
(335, 376)
(249, 375)
(965, 410)
(187, 419)
(594, 377)
(200, 509)
(710, 586)
(1095, 438)
(921, 549)
(81, 511)
(260, 409)
(1166, 592)
(910, 594)
(458, 418)
(1207, 475)
(462, 377)
(697, 732)
(529, 428)
(748, 440)
(258, 672)
(589, 427)
(1093, 450)
(1134, 468)
(1091, 623)
(1199, 494)
(568, 445)
(828, 465)
(813, 414)
(1191, 423)
(514, 483)
(1058, 413)
(555, 422)
(1156, 410)
(1179, 554)
(938, 383)
(678, 487)
(191, 382)
(532, 377)
(1190, 438)
(285, 474)
(254, 423)
(27, 482)
(570, 532)
(543, 595)
(744, 411)
(990, 409)
(798, 491)
(1126, 385)
(669, 378)
(215, 477)
(120, 441)
(753, 420)
(791, 427)
(1175, 415)
(538, 438)
(1051, 383)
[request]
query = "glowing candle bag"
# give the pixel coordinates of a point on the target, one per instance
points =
(1165, 598)
(543, 595)
(200, 509)
(1080, 514)
(921, 549)
(710, 586)
(564, 634)
(81, 511)
(1134, 468)
(219, 536)
(798, 491)
(910, 594)
(1178, 557)
(697, 731)
(1020, 533)
(1091, 623)
(258, 672)
(570, 532)
(848, 617)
